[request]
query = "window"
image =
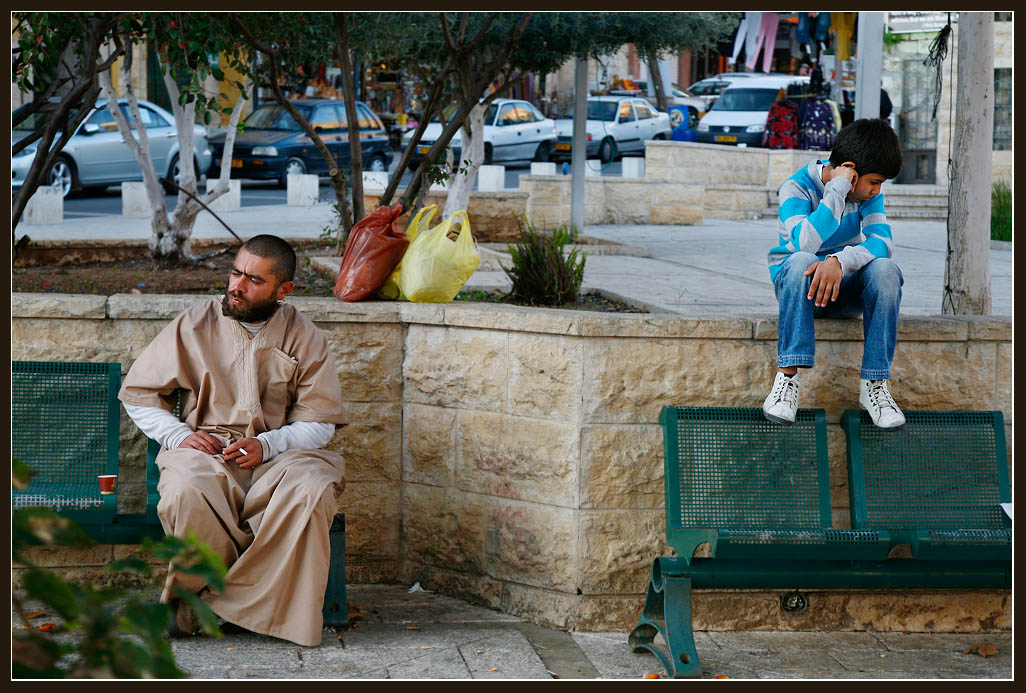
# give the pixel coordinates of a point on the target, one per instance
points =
(105, 119)
(326, 117)
(643, 111)
(367, 119)
(150, 119)
(507, 115)
(1003, 108)
(626, 114)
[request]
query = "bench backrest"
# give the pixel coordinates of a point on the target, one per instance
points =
(943, 470)
(65, 421)
(729, 468)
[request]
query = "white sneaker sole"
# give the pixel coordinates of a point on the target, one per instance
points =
(884, 428)
(776, 419)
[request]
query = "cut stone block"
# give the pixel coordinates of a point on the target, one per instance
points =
(231, 200)
(491, 178)
(375, 179)
(593, 167)
(46, 206)
(543, 168)
(303, 190)
(633, 167)
(134, 203)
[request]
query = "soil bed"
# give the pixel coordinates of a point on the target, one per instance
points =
(140, 275)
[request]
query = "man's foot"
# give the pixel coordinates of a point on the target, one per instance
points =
(183, 620)
(875, 398)
(781, 404)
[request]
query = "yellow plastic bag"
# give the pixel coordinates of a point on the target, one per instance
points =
(421, 220)
(435, 267)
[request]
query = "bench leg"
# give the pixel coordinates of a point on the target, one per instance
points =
(667, 613)
(336, 609)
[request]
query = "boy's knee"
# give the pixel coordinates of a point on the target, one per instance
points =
(798, 262)
(883, 275)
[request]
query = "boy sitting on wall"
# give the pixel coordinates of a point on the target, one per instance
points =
(833, 260)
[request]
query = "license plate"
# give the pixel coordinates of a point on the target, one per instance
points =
(563, 147)
(236, 163)
(726, 138)
(423, 150)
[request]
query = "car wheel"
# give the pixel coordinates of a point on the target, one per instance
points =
(544, 152)
(488, 154)
(292, 166)
(174, 173)
(607, 151)
(62, 175)
(376, 163)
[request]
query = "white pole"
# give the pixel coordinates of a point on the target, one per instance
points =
(578, 149)
(868, 65)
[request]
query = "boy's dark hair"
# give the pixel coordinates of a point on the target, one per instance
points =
(872, 144)
(266, 245)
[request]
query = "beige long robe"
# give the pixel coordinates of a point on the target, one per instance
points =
(269, 523)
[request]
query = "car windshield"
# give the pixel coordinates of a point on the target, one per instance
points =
(745, 100)
(274, 117)
(599, 110)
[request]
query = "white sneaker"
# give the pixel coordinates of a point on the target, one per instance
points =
(781, 404)
(875, 398)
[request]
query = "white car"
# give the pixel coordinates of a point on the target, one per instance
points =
(96, 156)
(689, 103)
(739, 115)
(615, 125)
(514, 130)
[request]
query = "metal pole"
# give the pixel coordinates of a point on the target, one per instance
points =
(868, 65)
(578, 149)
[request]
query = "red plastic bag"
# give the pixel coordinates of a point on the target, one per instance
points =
(376, 245)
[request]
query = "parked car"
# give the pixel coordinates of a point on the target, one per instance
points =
(514, 130)
(272, 144)
(96, 156)
(615, 125)
(691, 104)
(739, 114)
(709, 89)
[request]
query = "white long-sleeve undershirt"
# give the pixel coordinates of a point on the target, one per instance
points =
(165, 428)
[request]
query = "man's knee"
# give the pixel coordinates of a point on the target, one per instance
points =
(794, 266)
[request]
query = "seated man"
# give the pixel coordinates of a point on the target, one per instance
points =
(243, 468)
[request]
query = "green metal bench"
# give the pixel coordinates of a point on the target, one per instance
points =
(936, 485)
(65, 424)
(759, 495)
(336, 605)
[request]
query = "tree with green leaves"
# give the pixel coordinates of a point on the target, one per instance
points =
(57, 58)
(189, 49)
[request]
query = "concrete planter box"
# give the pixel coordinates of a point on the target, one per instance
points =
(513, 455)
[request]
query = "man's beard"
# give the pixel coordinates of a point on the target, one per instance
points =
(257, 312)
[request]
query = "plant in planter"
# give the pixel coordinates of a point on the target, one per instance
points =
(542, 275)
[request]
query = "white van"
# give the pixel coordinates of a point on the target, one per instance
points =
(739, 114)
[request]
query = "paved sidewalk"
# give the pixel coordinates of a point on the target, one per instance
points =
(716, 268)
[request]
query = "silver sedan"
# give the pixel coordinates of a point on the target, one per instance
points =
(97, 156)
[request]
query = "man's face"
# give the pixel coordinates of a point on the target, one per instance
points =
(253, 289)
(866, 187)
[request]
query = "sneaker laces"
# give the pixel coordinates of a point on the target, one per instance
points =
(880, 396)
(786, 390)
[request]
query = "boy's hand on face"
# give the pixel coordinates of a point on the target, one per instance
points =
(826, 281)
(845, 170)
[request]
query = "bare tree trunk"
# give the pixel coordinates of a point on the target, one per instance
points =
(967, 271)
(349, 97)
(462, 181)
(657, 80)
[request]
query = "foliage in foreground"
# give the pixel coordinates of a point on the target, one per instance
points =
(94, 631)
(542, 275)
(1001, 211)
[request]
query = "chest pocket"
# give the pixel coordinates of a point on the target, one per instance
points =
(276, 378)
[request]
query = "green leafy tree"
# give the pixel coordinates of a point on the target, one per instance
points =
(99, 631)
(57, 57)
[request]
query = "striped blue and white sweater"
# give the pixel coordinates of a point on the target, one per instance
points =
(817, 218)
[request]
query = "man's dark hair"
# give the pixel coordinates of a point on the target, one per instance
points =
(266, 245)
(872, 144)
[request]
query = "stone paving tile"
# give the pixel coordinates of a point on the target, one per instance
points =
(509, 655)
(926, 663)
(398, 636)
(947, 642)
(780, 641)
(390, 604)
(446, 663)
(614, 659)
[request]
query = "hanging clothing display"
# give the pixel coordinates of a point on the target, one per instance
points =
(747, 35)
(766, 41)
(818, 126)
(782, 126)
(822, 29)
(844, 24)
(802, 30)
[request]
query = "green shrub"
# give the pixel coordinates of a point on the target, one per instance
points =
(541, 274)
(1001, 211)
(97, 631)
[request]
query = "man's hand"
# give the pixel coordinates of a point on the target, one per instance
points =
(246, 452)
(204, 442)
(826, 281)
(845, 170)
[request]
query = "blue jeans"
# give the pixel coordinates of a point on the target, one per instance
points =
(875, 290)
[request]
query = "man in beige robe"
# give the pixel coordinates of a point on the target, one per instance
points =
(243, 467)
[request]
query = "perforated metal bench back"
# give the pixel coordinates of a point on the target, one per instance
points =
(65, 420)
(943, 470)
(730, 468)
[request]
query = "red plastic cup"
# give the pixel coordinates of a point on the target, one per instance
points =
(107, 483)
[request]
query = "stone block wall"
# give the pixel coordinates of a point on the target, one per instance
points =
(512, 456)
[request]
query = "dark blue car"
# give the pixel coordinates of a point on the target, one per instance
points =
(272, 144)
